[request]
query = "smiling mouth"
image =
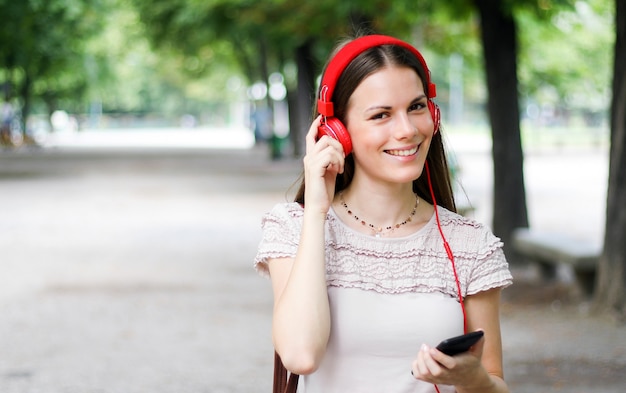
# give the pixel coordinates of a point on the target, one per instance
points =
(402, 153)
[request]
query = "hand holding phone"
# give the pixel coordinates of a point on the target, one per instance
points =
(459, 344)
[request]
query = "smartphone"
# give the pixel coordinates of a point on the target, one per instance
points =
(459, 344)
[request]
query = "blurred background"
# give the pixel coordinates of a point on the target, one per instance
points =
(85, 65)
(143, 140)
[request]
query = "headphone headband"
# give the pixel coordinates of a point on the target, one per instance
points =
(348, 53)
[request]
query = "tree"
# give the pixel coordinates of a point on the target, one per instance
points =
(186, 29)
(573, 79)
(43, 46)
(499, 37)
(611, 283)
(270, 36)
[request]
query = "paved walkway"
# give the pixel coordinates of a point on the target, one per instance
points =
(126, 271)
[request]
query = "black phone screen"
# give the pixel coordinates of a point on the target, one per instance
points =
(459, 344)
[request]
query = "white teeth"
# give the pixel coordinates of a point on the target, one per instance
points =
(402, 152)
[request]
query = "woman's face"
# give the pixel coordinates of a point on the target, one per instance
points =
(390, 125)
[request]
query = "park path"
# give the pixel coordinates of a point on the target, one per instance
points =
(130, 270)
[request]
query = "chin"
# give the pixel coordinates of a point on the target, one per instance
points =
(409, 176)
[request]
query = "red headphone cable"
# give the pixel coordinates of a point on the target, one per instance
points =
(448, 251)
(447, 248)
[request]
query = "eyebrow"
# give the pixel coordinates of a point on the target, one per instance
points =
(386, 107)
(376, 108)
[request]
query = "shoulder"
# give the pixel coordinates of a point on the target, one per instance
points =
(448, 217)
(283, 212)
(455, 220)
(293, 209)
(281, 232)
(467, 233)
(481, 261)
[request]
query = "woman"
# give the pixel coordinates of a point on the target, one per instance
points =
(364, 282)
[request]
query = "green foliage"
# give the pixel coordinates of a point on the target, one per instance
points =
(43, 48)
(182, 55)
(565, 60)
(280, 25)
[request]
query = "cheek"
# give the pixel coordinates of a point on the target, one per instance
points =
(368, 141)
(425, 125)
(364, 138)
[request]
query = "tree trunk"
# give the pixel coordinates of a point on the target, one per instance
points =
(295, 135)
(611, 285)
(498, 32)
(274, 145)
(304, 96)
(25, 93)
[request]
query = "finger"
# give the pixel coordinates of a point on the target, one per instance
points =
(419, 367)
(338, 147)
(415, 369)
(335, 151)
(333, 160)
(433, 366)
(311, 136)
(326, 160)
(329, 151)
(477, 349)
(441, 358)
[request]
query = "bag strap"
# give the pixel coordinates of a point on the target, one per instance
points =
(282, 383)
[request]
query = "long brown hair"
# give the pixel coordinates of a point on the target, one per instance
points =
(365, 64)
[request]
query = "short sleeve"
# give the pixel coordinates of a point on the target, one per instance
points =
(281, 235)
(479, 257)
(490, 269)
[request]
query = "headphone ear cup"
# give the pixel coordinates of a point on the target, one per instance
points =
(435, 113)
(335, 129)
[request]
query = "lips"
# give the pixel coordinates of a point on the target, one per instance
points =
(402, 152)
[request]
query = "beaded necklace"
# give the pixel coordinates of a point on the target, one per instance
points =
(379, 231)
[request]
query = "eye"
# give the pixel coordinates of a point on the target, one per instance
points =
(379, 115)
(417, 106)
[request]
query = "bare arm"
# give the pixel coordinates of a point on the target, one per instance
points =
(301, 319)
(480, 369)
(483, 312)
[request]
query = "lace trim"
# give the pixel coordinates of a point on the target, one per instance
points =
(415, 263)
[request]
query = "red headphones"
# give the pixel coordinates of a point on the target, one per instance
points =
(332, 126)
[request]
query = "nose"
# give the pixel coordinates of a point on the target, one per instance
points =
(405, 129)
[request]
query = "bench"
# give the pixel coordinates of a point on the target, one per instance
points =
(550, 249)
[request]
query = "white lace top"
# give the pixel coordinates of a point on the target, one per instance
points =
(388, 295)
